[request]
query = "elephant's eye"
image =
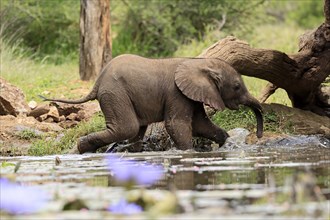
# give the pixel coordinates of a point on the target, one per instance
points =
(237, 87)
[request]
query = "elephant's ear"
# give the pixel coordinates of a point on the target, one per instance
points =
(200, 82)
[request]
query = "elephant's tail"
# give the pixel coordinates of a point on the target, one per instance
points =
(91, 96)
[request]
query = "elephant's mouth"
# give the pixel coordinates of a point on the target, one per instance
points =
(232, 106)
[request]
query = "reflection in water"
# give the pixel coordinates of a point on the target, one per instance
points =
(243, 168)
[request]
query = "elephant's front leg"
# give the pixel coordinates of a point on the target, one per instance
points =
(203, 127)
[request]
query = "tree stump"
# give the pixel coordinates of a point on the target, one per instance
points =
(95, 40)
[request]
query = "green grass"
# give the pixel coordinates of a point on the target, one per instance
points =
(245, 118)
(35, 78)
(53, 145)
(28, 134)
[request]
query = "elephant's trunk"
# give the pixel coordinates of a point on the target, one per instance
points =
(257, 109)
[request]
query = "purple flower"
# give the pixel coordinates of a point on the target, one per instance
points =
(130, 170)
(125, 208)
(17, 199)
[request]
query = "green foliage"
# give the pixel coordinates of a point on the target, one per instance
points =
(307, 14)
(229, 119)
(50, 145)
(303, 13)
(28, 134)
(156, 28)
(280, 37)
(245, 118)
(49, 28)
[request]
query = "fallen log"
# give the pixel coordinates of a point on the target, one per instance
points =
(300, 75)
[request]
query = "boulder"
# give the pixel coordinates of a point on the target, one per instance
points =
(72, 117)
(39, 110)
(12, 100)
(54, 114)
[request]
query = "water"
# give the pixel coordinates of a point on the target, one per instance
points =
(251, 181)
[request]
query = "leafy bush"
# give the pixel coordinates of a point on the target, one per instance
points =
(156, 28)
(49, 28)
(307, 14)
(304, 13)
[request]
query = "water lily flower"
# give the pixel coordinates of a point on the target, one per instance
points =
(131, 170)
(125, 208)
(17, 199)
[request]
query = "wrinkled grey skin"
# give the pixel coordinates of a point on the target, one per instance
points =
(134, 92)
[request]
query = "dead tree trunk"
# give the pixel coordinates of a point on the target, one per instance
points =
(300, 74)
(95, 40)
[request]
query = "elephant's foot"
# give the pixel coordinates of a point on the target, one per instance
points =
(130, 147)
(221, 138)
(84, 145)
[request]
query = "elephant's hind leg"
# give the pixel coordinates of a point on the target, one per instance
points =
(121, 124)
(203, 127)
(180, 132)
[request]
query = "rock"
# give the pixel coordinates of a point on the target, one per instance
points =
(32, 104)
(54, 114)
(72, 117)
(7, 118)
(12, 100)
(42, 117)
(238, 135)
(86, 110)
(40, 110)
(49, 120)
(62, 118)
(81, 115)
(47, 127)
(67, 109)
(68, 124)
(237, 138)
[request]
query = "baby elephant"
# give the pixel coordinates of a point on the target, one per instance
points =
(134, 92)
